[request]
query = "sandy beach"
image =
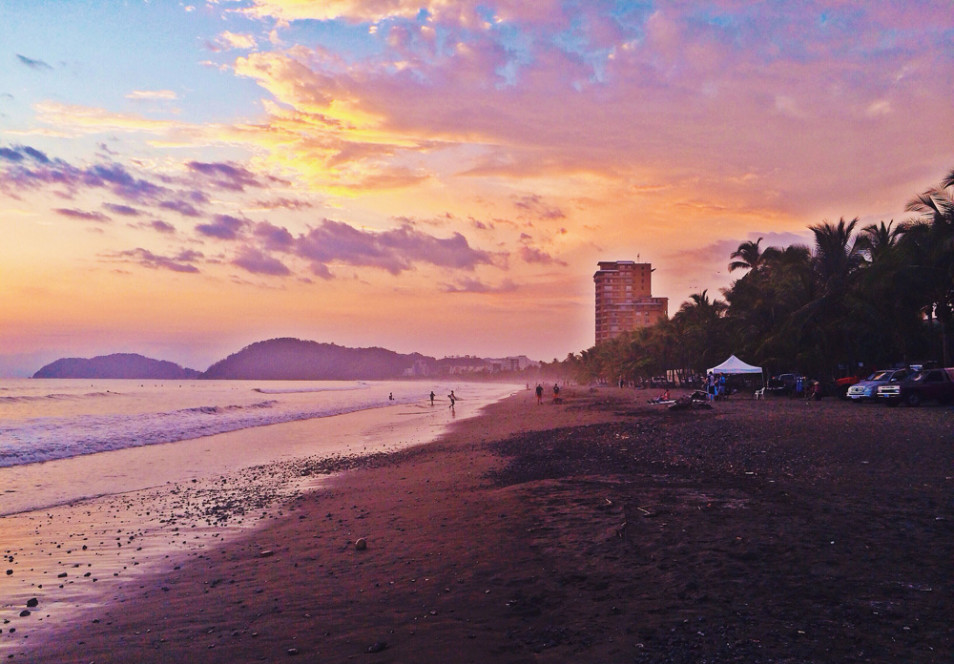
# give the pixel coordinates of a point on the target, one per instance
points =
(600, 529)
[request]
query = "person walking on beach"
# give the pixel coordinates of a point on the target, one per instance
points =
(432, 397)
(539, 394)
(453, 398)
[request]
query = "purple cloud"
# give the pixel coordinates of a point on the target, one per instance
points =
(180, 263)
(24, 167)
(223, 227)
(180, 206)
(160, 226)
(283, 203)
(257, 262)
(33, 64)
(20, 152)
(35, 154)
(534, 255)
(123, 183)
(43, 171)
(275, 238)
(534, 205)
(74, 213)
(478, 286)
(395, 250)
(225, 175)
(123, 210)
(10, 154)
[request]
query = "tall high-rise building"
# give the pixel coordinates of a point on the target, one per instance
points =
(624, 299)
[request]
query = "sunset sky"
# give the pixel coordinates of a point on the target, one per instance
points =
(181, 179)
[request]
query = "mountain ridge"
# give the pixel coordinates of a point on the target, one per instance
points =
(282, 358)
(286, 358)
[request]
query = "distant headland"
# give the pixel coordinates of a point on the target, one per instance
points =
(118, 365)
(285, 359)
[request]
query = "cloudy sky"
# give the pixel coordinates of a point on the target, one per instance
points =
(181, 179)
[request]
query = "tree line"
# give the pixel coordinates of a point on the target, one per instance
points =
(868, 297)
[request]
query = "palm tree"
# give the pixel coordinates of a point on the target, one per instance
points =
(824, 327)
(749, 255)
(762, 302)
(931, 240)
(887, 305)
(837, 257)
(698, 324)
(879, 239)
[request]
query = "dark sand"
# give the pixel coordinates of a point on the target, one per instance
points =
(598, 530)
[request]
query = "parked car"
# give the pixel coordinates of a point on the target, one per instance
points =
(867, 390)
(841, 385)
(928, 385)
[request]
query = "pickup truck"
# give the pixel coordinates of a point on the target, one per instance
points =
(927, 385)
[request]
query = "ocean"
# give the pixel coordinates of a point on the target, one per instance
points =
(46, 424)
(108, 485)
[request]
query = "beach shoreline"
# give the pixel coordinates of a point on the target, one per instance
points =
(78, 533)
(598, 529)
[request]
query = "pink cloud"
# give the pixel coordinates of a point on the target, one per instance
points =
(710, 93)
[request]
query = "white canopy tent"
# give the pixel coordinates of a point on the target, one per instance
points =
(735, 366)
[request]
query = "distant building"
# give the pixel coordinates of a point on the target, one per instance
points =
(518, 363)
(624, 299)
(421, 367)
(456, 366)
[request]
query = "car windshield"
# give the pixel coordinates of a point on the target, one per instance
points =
(879, 375)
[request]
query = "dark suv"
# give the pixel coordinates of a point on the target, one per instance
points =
(927, 385)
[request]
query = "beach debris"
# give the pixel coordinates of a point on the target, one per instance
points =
(360, 544)
(32, 603)
(267, 553)
(378, 646)
(292, 651)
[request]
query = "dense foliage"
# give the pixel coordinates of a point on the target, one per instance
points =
(864, 297)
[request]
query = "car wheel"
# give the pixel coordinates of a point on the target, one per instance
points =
(913, 400)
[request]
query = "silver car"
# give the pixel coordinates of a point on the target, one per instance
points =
(867, 389)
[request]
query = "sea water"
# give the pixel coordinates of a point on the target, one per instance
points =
(107, 485)
(49, 428)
